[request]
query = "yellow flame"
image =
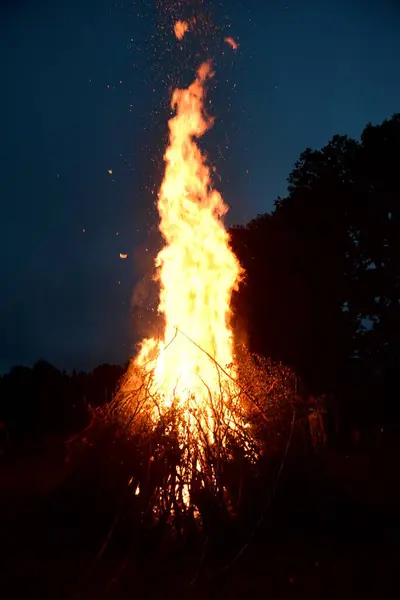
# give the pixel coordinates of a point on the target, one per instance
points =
(197, 269)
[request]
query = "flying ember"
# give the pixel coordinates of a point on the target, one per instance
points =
(232, 43)
(180, 28)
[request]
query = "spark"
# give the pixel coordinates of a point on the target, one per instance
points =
(180, 28)
(232, 43)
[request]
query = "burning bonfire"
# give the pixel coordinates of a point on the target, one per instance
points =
(190, 384)
(193, 404)
(188, 379)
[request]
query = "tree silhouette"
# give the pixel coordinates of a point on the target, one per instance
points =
(323, 270)
(43, 400)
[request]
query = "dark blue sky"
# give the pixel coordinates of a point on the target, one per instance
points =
(84, 84)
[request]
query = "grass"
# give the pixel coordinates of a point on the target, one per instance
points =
(324, 535)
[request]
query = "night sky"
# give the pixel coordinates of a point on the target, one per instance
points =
(85, 85)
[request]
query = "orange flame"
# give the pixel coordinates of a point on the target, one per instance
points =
(196, 268)
(180, 28)
(233, 44)
(186, 382)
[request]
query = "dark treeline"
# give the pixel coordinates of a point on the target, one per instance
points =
(322, 291)
(43, 400)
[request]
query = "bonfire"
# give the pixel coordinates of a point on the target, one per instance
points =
(187, 384)
(193, 403)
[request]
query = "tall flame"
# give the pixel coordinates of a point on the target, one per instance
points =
(183, 395)
(197, 269)
(189, 374)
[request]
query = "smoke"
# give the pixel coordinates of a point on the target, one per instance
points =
(146, 321)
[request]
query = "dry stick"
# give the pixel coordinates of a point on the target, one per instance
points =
(223, 370)
(202, 433)
(79, 435)
(231, 415)
(137, 410)
(152, 360)
(134, 393)
(172, 339)
(117, 403)
(210, 397)
(263, 514)
(201, 562)
(109, 536)
(115, 580)
(105, 544)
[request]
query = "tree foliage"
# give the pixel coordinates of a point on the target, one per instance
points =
(43, 400)
(322, 290)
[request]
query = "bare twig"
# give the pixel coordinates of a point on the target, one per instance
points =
(222, 368)
(268, 503)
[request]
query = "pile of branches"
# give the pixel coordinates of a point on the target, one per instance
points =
(158, 494)
(161, 480)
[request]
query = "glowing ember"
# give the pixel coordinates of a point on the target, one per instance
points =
(233, 44)
(180, 28)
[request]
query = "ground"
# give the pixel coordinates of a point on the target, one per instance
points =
(340, 540)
